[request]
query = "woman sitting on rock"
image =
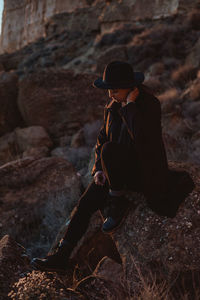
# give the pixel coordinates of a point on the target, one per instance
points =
(129, 155)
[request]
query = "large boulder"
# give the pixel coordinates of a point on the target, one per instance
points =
(165, 248)
(22, 142)
(32, 137)
(60, 101)
(36, 196)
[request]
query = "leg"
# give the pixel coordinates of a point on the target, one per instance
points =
(120, 166)
(92, 199)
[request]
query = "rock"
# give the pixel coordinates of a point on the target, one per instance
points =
(79, 157)
(97, 288)
(151, 243)
(36, 197)
(36, 152)
(91, 248)
(8, 148)
(107, 279)
(24, 22)
(195, 90)
(191, 108)
(155, 69)
(32, 137)
(65, 140)
(9, 116)
(91, 131)
(31, 141)
(110, 270)
(193, 19)
(84, 20)
(43, 285)
(13, 263)
(78, 139)
(169, 99)
(183, 74)
(113, 53)
(51, 99)
(177, 125)
(193, 59)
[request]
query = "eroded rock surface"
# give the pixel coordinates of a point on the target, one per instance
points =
(35, 197)
(168, 248)
(60, 101)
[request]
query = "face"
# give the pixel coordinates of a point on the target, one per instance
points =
(119, 95)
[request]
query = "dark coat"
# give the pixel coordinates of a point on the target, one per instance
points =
(138, 125)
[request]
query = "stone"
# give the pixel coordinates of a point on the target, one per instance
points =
(79, 157)
(36, 197)
(13, 263)
(151, 244)
(24, 21)
(32, 137)
(91, 131)
(193, 58)
(60, 101)
(8, 148)
(78, 139)
(36, 152)
(113, 53)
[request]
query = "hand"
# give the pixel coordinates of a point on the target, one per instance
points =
(99, 178)
(132, 95)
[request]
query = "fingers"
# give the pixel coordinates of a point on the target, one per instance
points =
(99, 178)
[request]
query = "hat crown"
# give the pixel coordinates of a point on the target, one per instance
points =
(118, 72)
(119, 75)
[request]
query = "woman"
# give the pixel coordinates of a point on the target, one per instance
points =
(129, 154)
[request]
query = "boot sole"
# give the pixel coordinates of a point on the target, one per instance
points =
(120, 223)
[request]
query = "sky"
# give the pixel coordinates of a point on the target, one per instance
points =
(1, 11)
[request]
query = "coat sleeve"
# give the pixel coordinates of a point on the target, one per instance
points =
(101, 139)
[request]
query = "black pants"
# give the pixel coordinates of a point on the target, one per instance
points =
(120, 167)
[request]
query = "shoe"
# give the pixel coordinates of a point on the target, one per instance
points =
(118, 210)
(57, 262)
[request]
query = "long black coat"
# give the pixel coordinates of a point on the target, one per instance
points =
(138, 124)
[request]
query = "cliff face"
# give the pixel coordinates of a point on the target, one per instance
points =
(24, 20)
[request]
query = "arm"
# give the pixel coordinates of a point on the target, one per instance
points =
(101, 139)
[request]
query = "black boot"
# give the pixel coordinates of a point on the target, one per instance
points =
(57, 262)
(117, 212)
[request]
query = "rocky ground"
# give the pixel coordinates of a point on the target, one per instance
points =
(50, 117)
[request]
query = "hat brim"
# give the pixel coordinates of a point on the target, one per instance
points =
(138, 79)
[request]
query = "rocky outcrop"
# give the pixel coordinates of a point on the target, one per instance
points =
(167, 248)
(22, 142)
(156, 256)
(13, 263)
(36, 195)
(60, 101)
(25, 21)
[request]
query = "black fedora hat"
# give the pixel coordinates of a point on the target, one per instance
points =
(119, 75)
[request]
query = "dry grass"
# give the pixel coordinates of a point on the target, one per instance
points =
(154, 287)
(183, 74)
